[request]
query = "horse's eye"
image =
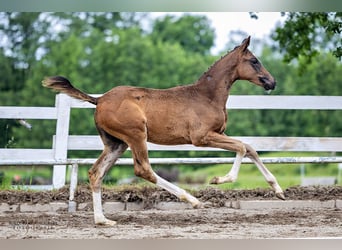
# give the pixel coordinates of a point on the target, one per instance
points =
(254, 61)
(255, 64)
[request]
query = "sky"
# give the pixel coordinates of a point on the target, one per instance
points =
(224, 22)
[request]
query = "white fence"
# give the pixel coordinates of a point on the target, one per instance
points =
(63, 142)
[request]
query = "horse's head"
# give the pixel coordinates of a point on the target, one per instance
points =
(250, 68)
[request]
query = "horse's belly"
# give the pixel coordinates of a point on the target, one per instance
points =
(167, 135)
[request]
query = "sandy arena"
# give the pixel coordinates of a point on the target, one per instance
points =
(217, 222)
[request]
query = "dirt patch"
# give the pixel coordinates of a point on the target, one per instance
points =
(213, 223)
(217, 222)
(151, 195)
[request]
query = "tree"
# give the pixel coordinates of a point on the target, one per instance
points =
(305, 34)
(19, 33)
(82, 23)
(193, 33)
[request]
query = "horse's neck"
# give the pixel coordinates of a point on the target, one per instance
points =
(216, 82)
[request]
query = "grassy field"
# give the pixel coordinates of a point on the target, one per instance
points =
(249, 176)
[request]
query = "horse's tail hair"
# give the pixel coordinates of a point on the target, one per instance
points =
(60, 83)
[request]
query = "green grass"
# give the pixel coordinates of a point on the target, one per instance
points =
(23, 174)
(286, 174)
(249, 176)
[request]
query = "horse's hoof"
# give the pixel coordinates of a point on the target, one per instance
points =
(106, 222)
(207, 205)
(215, 180)
(202, 205)
(197, 205)
(280, 196)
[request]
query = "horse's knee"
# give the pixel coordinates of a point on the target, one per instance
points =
(240, 149)
(250, 152)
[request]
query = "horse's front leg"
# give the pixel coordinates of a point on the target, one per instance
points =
(253, 155)
(225, 142)
(222, 141)
(232, 175)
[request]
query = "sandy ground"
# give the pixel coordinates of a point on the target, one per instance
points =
(217, 222)
(213, 223)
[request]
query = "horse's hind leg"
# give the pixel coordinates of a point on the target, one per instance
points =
(142, 168)
(113, 149)
(253, 155)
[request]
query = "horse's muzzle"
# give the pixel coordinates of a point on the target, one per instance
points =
(267, 83)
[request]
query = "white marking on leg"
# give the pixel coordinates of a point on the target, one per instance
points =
(179, 192)
(233, 173)
(97, 204)
(270, 178)
(103, 166)
(99, 217)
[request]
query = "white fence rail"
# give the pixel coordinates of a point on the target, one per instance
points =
(63, 142)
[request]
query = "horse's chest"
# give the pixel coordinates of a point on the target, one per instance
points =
(222, 122)
(211, 120)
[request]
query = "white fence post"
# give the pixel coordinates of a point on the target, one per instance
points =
(339, 174)
(73, 187)
(61, 141)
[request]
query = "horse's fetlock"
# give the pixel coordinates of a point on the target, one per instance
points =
(233, 179)
(272, 183)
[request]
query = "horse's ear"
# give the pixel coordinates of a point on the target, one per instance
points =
(245, 43)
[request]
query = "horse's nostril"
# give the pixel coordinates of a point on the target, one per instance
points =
(267, 83)
(264, 80)
(271, 86)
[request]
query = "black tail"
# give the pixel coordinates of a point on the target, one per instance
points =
(62, 84)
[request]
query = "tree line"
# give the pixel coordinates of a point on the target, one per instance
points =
(98, 51)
